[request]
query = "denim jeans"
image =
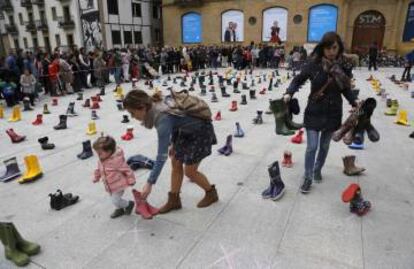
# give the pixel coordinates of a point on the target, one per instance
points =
(315, 140)
(118, 75)
(118, 201)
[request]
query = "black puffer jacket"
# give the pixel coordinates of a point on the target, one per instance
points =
(324, 114)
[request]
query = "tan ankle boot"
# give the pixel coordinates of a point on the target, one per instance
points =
(210, 198)
(349, 166)
(173, 203)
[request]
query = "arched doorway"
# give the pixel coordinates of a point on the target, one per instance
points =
(369, 26)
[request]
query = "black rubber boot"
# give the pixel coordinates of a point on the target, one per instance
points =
(87, 150)
(243, 100)
(12, 170)
(44, 143)
(62, 123)
(59, 200)
(26, 104)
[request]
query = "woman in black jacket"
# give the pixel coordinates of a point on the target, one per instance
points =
(330, 76)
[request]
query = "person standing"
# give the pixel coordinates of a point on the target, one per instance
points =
(409, 62)
(373, 55)
(28, 83)
(330, 74)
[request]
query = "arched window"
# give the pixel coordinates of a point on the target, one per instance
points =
(275, 21)
(232, 26)
(191, 28)
(409, 24)
(322, 18)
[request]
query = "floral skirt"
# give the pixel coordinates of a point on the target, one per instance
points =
(193, 142)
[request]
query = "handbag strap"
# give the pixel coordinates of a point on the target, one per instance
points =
(318, 94)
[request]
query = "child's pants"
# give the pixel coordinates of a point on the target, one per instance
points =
(118, 201)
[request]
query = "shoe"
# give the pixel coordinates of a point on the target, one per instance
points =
(16, 114)
(349, 166)
(258, 119)
(33, 169)
(15, 138)
(62, 123)
(128, 135)
(26, 104)
(125, 119)
(87, 103)
(9, 239)
(80, 96)
(252, 94)
(317, 177)
(276, 188)
(412, 135)
(243, 100)
(117, 213)
(217, 117)
(12, 170)
(306, 186)
(102, 92)
(59, 200)
(210, 197)
(45, 109)
(173, 203)
(279, 109)
(91, 128)
(70, 112)
(227, 149)
(44, 143)
(392, 111)
(353, 195)
(38, 120)
(214, 98)
(95, 105)
(54, 102)
(239, 131)
(233, 106)
(87, 150)
(298, 138)
(287, 159)
(128, 209)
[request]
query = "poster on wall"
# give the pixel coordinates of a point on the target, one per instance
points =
(409, 24)
(232, 26)
(91, 27)
(191, 28)
(275, 25)
(322, 19)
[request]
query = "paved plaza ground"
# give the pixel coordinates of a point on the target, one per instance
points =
(242, 230)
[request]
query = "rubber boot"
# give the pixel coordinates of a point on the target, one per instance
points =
(218, 116)
(263, 91)
(402, 118)
(44, 143)
(33, 169)
(349, 166)
(290, 124)
(15, 138)
(16, 114)
(227, 149)
(87, 103)
(287, 159)
(373, 134)
(62, 123)
(358, 141)
(129, 134)
(54, 102)
(243, 99)
(94, 115)
(244, 85)
(98, 98)
(279, 109)
(239, 131)
(91, 128)
(70, 112)
(173, 203)
(212, 89)
(12, 170)
(258, 119)
(210, 197)
(59, 200)
(26, 104)
(38, 120)
(86, 151)
(235, 86)
(224, 93)
(125, 119)
(214, 98)
(233, 106)
(353, 195)
(120, 106)
(95, 105)
(45, 109)
(203, 91)
(270, 87)
(298, 138)
(102, 91)
(392, 111)
(141, 205)
(276, 188)
(9, 240)
(80, 96)
(252, 94)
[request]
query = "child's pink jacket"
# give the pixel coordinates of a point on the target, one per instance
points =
(115, 173)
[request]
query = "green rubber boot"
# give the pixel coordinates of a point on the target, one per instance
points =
(279, 109)
(8, 238)
(392, 111)
(25, 246)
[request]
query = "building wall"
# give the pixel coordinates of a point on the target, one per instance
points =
(394, 12)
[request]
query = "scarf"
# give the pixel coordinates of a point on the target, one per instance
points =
(336, 71)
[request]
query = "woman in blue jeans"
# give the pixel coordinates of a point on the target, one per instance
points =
(330, 75)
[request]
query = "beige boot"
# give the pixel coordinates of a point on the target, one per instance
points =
(210, 197)
(349, 166)
(173, 203)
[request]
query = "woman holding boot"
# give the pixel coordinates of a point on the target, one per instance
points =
(330, 75)
(187, 140)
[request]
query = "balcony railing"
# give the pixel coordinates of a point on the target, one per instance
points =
(7, 6)
(12, 29)
(41, 25)
(30, 26)
(26, 3)
(66, 23)
(38, 2)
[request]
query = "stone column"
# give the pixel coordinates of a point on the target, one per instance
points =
(399, 19)
(344, 25)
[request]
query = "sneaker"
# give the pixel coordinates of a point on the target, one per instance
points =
(278, 192)
(128, 209)
(117, 213)
(317, 177)
(306, 186)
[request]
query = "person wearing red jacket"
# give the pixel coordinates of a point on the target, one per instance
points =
(53, 70)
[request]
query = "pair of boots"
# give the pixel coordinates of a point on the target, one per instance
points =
(142, 207)
(352, 195)
(174, 200)
(59, 200)
(276, 188)
(14, 137)
(283, 118)
(227, 149)
(44, 143)
(16, 248)
(349, 166)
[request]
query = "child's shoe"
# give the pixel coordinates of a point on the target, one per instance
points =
(117, 213)
(128, 209)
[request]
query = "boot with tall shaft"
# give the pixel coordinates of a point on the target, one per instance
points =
(239, 131)
(233, 106)
(62, 123)
(12, 170)
(16, 114)
(38, 120)
(173, 203)
(279, 109)
(276, 187)
(227, 149)
(86, 150)
(14, 137)
(349, 166)
(33, 169)
(45, 109)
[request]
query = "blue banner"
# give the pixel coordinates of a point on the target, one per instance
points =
(191, 28)
(322, 19)
(409, 24)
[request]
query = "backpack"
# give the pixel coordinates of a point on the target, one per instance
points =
(190, 105)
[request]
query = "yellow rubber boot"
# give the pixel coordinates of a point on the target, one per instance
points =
(91, 128)
(16, 114)
(33, 169)
(392, 111)
(402, 118)
(119, 92)
(1, 111)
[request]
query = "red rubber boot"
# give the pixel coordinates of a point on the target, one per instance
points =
(39, 120)
(15, 138)
(141, 206)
